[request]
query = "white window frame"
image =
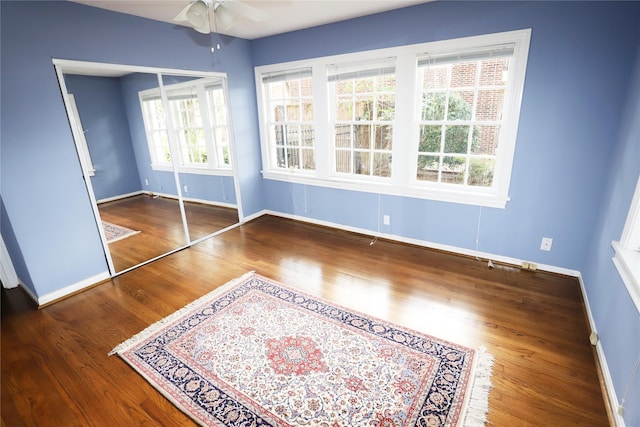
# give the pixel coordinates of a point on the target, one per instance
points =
(212, 168)
(403, 181)
(627, 250)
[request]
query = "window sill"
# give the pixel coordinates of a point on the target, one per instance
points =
(627, 263)
(476, 199)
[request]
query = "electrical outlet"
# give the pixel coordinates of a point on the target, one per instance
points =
(146, 181)
(386, 220)
(185, 189)
(546, 243)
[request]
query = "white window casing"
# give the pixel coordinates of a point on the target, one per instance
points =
(406, 121)
(627, 250)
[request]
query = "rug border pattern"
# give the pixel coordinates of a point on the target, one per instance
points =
(463, 368)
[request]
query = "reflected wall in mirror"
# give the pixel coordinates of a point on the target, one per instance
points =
(155, 162)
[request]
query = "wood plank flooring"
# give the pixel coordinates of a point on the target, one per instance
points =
(160, 224)
(55, 369)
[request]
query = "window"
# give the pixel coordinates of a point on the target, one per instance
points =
(291, 137)
(363, 108)
(435, 120)
(461, 111)
(194, 126)
(627, 257)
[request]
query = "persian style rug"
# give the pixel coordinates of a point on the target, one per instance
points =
(258, 353)
(115, 232)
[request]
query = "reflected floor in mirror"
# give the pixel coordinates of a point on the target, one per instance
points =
(160, 227)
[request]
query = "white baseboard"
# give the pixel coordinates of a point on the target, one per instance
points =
(69, 290)
(170, 196)
(121, 196)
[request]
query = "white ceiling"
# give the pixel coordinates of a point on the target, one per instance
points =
(283, 15)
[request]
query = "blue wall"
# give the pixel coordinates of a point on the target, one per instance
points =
(615, 314)
(101, 109)
(575, 164)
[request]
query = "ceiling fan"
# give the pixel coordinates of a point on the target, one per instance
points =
(224, 12)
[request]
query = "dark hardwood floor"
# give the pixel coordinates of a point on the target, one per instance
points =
(159, 222)
(55, 369)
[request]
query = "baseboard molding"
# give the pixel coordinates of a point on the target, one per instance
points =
(120, 197)
(67, 291)
(169, 196)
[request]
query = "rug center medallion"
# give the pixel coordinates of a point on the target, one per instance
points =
(297, 355)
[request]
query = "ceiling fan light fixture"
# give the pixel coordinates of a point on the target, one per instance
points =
(223, 18)
(198, 17)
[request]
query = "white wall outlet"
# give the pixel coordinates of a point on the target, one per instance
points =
(185, 189)
(386, 220)
(546, 243)
(146, 181)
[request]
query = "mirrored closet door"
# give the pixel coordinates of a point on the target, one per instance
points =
(156, 150)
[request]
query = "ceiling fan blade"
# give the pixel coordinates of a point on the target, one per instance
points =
(246, 10)
(223, 17)
(198, 16)
(182, 16)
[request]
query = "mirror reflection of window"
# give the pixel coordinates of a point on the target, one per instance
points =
(200, 122)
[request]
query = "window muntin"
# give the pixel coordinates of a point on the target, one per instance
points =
(199, 118)
(461, 103)
(363, 112)
(484, 116)
(290, 119)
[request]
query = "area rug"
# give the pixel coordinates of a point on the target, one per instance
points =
(115, 232)
(258, 353)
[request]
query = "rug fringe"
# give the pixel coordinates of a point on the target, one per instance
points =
(152, 329)
(478, 403)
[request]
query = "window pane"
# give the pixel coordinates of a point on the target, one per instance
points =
(293, 158)
(463, 74)
(494, 72)
(382, 164)
(481, 172)
(435, 77)
(455, 140)
(460, 104)
(490, 104)
(361, 163)
(345, 109)
(433, 106)
(383, 137)
(308, 136)
(364, 107)
(453, 170)
(293, 112)
(485, 140)
(430, 138)
(362, 136)
(386, 107)
(343, 161)
(428, 168)
(308, 161)
(343, 136)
